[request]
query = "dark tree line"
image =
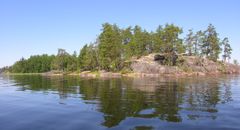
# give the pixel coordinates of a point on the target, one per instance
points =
(114, 46)
(35, 64)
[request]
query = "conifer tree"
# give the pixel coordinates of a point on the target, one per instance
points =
(110, 48)
(199, 37)
(157, 37)
(211, 45)
(190, 42)
(129, 45)
(172, 43)
(227, 50)
(82, 57)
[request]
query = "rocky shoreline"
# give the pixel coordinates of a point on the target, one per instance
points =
(88, 74)
(103, 74)
(147, 66)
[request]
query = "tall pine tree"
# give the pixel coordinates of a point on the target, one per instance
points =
(227, 50)
(110, 48)
(211, 45)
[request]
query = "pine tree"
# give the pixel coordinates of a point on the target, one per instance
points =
(199, 37)
(172, 43)
(158, 43)
(211, 45)
(171, 39)
(129, 45)
(110, 48)
(227, 50)
(235, 62)
(138, 40)
(72, 62)
(142, 41)
(91, 62)
(190, 42)
(60, 62)
(82, 57)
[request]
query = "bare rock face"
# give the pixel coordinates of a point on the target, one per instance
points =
(197, 64)
(109, 74)
(87, 74)
(190, 64)
(232, 69)
(100, 74)
(149, 65)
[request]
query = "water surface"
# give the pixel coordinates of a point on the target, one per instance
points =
(64, 103)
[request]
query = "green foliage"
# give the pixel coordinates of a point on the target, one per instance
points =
(72, 62)
(158, 43)
(190, 41)
(211, 46)
(172, 43)
(235, 62)
(82, 57)
(136, 42)
(199, 37)
(171, 39)
(110, 48)
(60, 62)
(35, 64)
(227, 50)
(142, 40)
(88, 58)
(64, 61)
(207, 44)
(129, 44)
(5, 69)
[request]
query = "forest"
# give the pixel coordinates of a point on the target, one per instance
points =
(114, 46)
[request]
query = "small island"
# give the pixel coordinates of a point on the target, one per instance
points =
(119, 65)
(134, 51)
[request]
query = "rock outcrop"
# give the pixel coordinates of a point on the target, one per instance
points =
(186, 65)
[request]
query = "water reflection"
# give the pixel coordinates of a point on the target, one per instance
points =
(166, 99)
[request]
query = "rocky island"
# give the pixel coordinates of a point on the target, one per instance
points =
(135, 52)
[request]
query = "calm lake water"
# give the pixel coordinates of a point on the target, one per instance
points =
(64, 103)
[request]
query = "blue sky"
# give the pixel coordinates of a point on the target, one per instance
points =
(29, 27)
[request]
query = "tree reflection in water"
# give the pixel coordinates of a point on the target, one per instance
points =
(167, 99)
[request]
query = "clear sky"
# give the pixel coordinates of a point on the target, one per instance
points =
(29, 27)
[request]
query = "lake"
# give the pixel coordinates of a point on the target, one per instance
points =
(74, 103)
